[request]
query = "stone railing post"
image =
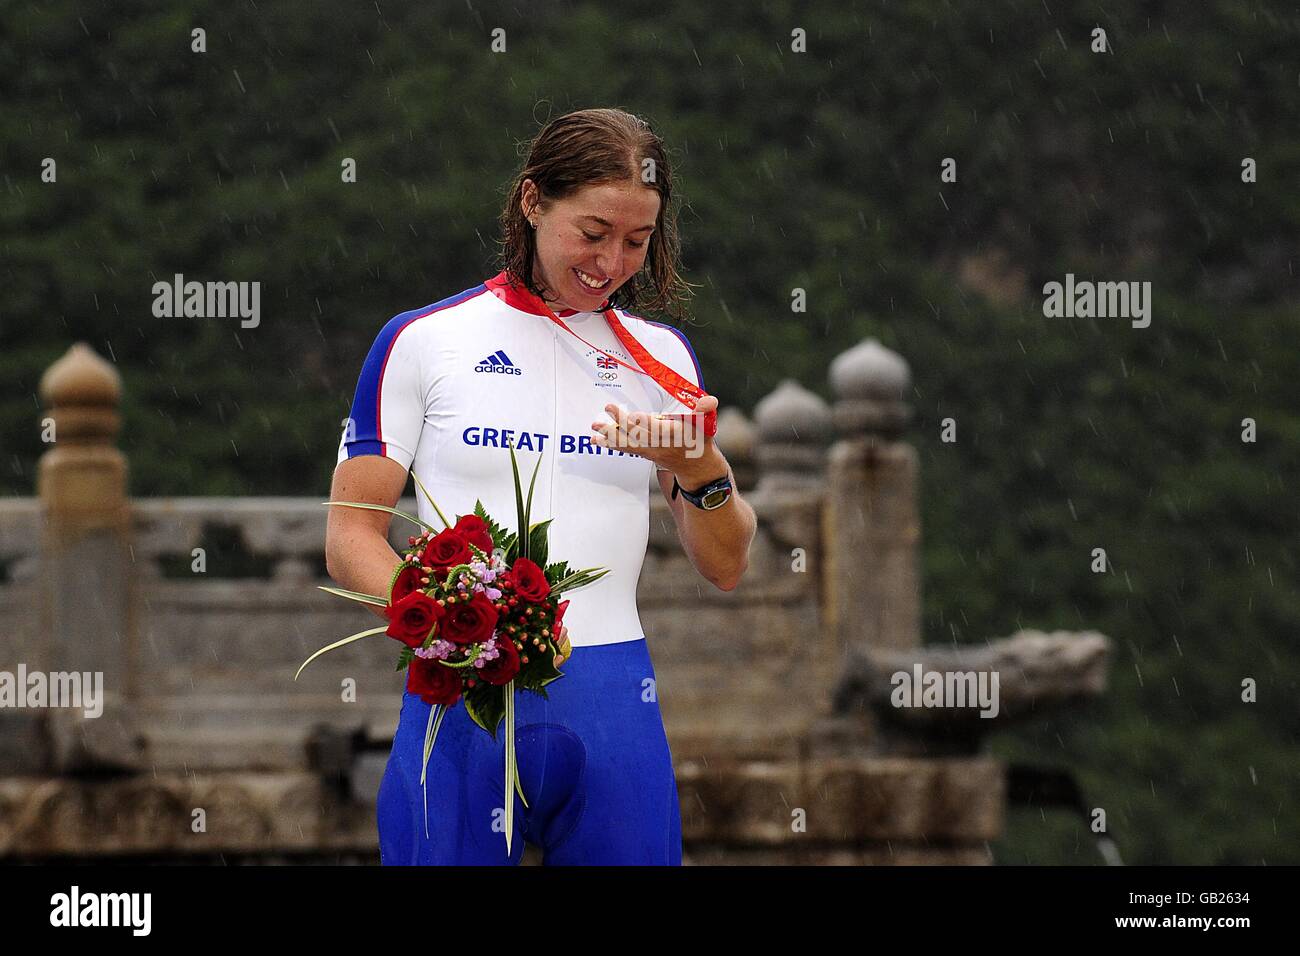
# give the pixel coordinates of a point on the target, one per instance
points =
(872, 527)
(86, 562)
(794, 430)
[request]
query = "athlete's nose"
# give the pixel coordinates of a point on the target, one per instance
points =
(610, 265)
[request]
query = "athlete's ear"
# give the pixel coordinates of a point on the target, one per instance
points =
(528, 199)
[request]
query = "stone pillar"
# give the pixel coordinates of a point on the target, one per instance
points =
(871, 527)
(794, 433)
(87, 565)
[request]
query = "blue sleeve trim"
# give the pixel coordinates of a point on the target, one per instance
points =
(365, 403)
(699, 376)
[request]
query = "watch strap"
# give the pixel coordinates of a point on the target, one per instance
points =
(696, 497)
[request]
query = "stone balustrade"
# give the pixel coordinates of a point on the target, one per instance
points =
(199, 610)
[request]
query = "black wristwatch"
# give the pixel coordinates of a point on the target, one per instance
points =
(713, 495)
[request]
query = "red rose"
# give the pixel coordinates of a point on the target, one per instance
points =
(503, 669)
(469, 622)
(475, 530)
(407, 580)
(559, 618)
(435, 682)
(412, 618)
(529, 580)
(446, 550)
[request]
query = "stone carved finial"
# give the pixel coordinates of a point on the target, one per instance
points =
(82, 478)
(737, 438)
(870, 383)
(794, 429)
(82, 392)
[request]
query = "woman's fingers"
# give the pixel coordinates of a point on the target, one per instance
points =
(633, 430)
(562, 647)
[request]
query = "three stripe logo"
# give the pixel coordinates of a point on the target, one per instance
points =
(498, 363)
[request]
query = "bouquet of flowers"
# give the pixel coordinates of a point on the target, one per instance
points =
(477, 608)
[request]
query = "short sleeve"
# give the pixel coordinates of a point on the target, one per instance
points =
(388, 408)
(678, 355)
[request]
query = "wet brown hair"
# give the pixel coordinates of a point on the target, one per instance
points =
(589, 148)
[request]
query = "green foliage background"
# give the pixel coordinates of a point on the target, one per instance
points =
(818, 171)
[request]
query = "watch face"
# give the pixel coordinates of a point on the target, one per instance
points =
(714, 498)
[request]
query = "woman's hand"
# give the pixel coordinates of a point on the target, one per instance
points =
(563, 649)
(666, 440)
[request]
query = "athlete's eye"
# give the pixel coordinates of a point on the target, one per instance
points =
(590, 238)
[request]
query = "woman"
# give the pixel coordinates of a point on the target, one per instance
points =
(528, 359)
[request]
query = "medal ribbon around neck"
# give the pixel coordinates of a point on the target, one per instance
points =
(675, 385)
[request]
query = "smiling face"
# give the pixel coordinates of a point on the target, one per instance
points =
(592, 242)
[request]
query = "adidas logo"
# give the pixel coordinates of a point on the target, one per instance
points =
(499, 363)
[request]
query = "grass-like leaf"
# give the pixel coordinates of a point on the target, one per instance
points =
(419, 484)
(355, 596)
(430, 735)
(528, 508)
(346, 640)
(392, 511)
(520, 515)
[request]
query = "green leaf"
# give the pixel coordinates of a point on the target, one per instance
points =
(537, 544)
(486, 706)
(578, 579)
(542, 670)
(404, 658)
(497, 532)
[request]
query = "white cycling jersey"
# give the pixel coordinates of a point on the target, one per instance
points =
(447, 387)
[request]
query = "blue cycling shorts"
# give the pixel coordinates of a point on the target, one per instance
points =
(593, 761)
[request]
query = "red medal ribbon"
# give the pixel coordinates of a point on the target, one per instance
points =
(685, 391)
